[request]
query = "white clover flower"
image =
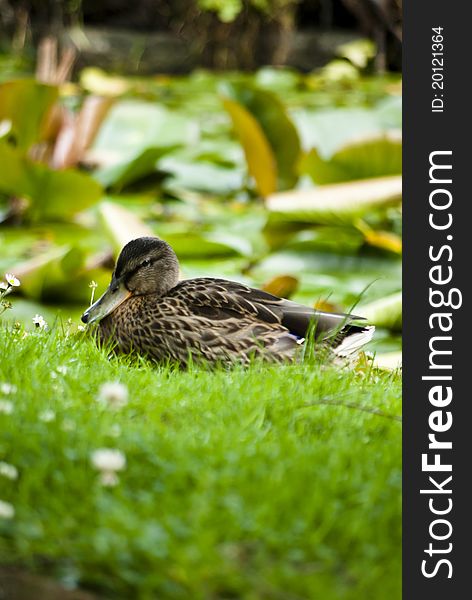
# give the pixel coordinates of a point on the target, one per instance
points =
(114, 394)
(6, 407)
(40, 322)
(8, 388)
(7, 510)
(81, 328)
(12, 280)
(8, 471)
(47, 416)
(109, 478)
(108, 461)
(60, 370)
(5, 127)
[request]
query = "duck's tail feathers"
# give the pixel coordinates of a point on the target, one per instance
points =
(356, 338)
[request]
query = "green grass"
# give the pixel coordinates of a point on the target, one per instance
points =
(275, 482)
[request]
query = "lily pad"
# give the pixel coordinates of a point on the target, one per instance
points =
(358, 52)
(277, 78)
(386, 240)
(259, 156)
(133, 126)
(342, 240)
(121, 225)
(283, 286)
(51, 194)
(364, 158)
(48, 269)
(26, 104)
(201, 245)
(336, 203)
(269, 138)
(385, 312)
(329, 129)
(118, 176)
(99, 82)
(202, 176)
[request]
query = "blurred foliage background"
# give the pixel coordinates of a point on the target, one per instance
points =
(208, 33)
(260, 138)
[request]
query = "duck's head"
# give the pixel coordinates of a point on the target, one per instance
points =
(146, 265)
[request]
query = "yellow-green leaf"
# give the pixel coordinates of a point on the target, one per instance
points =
(122, 225)
(387, 240)
(48, 269)
(362, 159)
(283, 286)
(99, 82)
(51, 194)
(385, 312)
(259, 156)
(277, 127)
(336, 203)
(26, 104)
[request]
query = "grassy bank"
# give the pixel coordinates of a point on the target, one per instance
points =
(271, 482)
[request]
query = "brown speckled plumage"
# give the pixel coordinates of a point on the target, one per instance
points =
(213, 320)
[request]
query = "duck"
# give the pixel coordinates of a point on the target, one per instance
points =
(147, 309)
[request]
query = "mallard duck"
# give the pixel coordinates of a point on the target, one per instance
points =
(147, 309)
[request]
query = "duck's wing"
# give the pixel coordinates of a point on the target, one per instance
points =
(222, 299)
(201, 318)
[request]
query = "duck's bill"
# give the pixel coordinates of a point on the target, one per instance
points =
(106, 304)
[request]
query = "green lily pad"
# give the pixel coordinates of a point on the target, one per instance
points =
(118, 176)
(26, 103)
(51, 194)
(269, 138)
(121, 225)
(48, 269)
(329, 129)
(361, 159)
(202, 176)
(133, 126)
(337, 202)
(201, 245)
(358, 52)
(277, 79)
(385, 312)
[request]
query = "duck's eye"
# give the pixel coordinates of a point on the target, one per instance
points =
(146, 262)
